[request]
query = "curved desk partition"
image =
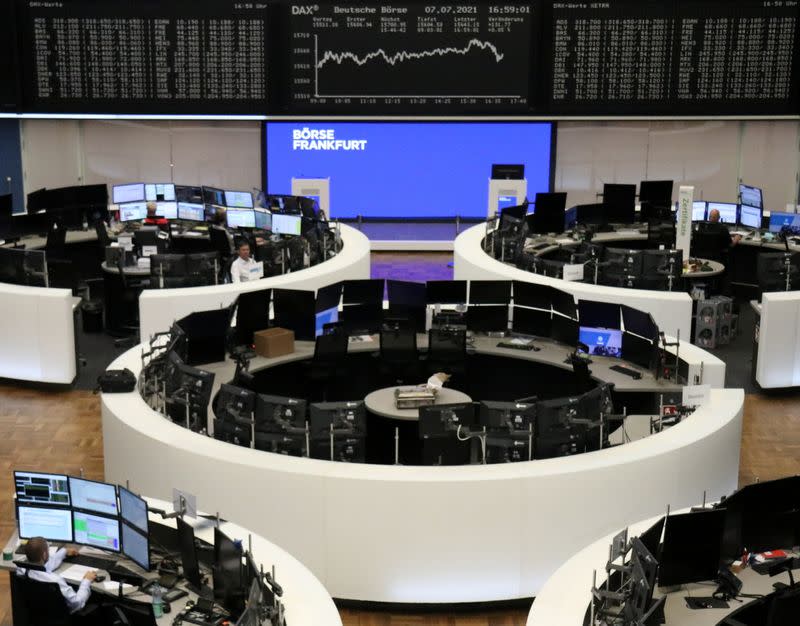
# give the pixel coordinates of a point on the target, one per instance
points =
(672, 311)
(158, 308)
(416, 534)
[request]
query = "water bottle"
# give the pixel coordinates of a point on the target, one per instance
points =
(158, 601)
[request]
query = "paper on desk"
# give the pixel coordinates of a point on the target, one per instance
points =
(76, 572)
(113, 586)
(360, 338)
(519, 341)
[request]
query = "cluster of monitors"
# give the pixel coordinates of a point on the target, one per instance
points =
(23, 267)
(759, 517)
(729, 213)
(278, 424)
(169, 192)
(74, 510)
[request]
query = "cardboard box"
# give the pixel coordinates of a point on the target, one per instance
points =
(274, 342)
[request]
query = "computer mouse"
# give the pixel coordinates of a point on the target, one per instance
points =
(166, 607)
(99, 578)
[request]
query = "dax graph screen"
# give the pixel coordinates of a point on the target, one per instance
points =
(407, 56)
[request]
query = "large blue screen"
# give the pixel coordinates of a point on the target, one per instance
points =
(406, 169)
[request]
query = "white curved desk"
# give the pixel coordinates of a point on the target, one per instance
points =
(671, 310)
(158, 308)
(427, 534)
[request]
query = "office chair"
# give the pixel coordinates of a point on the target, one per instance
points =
(220, 242)
(398, 351)
(583, 375)
(38, 603)
(130, 301)
(710, 241)
(330, 355)
(102, 234)
(225, 270)
(447, 351)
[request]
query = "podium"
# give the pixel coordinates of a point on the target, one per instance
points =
(513, 191)
(319, 188)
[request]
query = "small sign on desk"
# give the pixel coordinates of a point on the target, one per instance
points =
(573, 271)
(696, 395)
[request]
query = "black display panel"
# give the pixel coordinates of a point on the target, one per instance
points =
(411, 57)
(183, 56)
(9, 75)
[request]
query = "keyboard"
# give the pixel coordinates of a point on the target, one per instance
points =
(627, 371)
(91, 561)
(517, 346)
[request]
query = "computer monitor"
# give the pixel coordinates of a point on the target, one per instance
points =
(252, 314)
(651, 538)
(238, 199)
(784, 221)
(699, 210)
(446, 292)
(240, 218)
(132, 192)
(235, 404)
(751, 196)
(189, 193)
(691, 550)
(407, 300)
(438, 420)
(188, 550)
(728, 212)
(212, 195)
(555, 435)
(132, 211)
(42, 489)
(263, 219)
(227, 573)
(533, 295)
(167, 209)
(619, 202)
(364, 291)
(656, 192)
(564, 330)
(132, 509)
(97, 531)
(51, 523)
(90, 495)
(564, 303)
(638, 350)
(599, 314)
(508, 171)
(489, 291)
(328, 316)
(136, 546)
(487, 318)
(602, 341)
(295, 310)
(159, 192)
(548, 216)
(507, 202)
(283, 224)
(274, 414)
(191, 212)
(750, 216)
(6, 204)
(532, 322)
(639, 322)
(507, 416)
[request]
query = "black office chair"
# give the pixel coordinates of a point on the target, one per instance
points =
(711, 241)
(38, 603)
(130, 302)
(328, 366)
(398, 351)
(583, 375)
(102, 235)
(447, 351)
(220, 242)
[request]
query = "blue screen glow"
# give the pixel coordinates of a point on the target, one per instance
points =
(406, 169)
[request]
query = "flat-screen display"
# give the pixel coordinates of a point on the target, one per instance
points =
(240, 218)
(263, 219)
(191, 212)
(750, 216)
(602, 341)
(132, 212)
(779, 221)
(52, 524)
(727, 211)
(751, 196)
(136, 546)
(133, 509)
(699, 211)
(328, 316)
(406, 169)
(239, 199)
(283, 224)
(167, 210)
(97, 531)
(41, 489)
(132, 192)
(93, 496)
(159, 192)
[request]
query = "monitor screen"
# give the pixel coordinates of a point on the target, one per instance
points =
(489, 291)
(692, 546)
(389, 169)
(212, 195)
(727, 211)
(52, 524)
(263, 219)
(159, 192)
(505, 202)
(132, 212)
(698, 211)
(328, 316)
(778, 221)
(188, 550)
(446, 292)
(239, 199)
(133, 509)
(133, 192)
(602, 341)
(751, 196)
(191, 212)
(286, 224)
(599, 314)
(167, 210)
(750, 216)
(97, 531)
(136, 546)
(36, 488)
(93, 496)
(240, 218)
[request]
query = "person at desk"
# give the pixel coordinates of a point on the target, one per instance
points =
(243, 267)
(36, 552)
(155, 220)
(714, 217)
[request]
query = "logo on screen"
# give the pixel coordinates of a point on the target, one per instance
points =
(323, 140)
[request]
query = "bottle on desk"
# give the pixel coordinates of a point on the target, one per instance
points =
(158, 601)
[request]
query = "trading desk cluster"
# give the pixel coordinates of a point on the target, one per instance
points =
(755, 527)
(514, 431)
(138, 554)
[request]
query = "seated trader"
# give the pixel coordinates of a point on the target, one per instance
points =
(36, 552)
(155, 220)
(713, 217)
(244, 267)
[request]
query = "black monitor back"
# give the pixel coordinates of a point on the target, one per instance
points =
(691, 551)
(532, 322)
(6, 204)
(295, 311)
(620, 203)
(252, 314)
(487, 318)
(369, 291)
(639, 323)
(656, 192)
(564, 303)
(205, 332)
(533, 295)
(637, 350)
(188, 551)
(595, 314)
(407, 300)
(548, 216)
(502, 171)
(489, 291)
(328, 297)
(446, 292)
(565, 330)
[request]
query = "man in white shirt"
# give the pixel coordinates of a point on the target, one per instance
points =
(244, 268)
(36, 552)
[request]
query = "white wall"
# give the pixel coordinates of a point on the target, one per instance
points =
(711, 155)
